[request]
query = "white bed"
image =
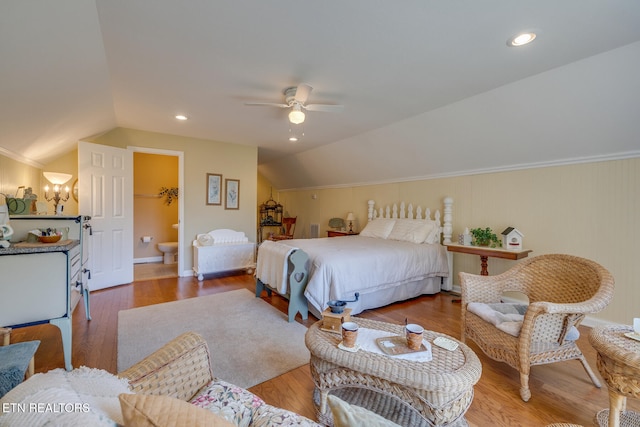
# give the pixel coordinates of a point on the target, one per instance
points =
(384, 264)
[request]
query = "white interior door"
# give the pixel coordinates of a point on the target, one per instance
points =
(105, 192)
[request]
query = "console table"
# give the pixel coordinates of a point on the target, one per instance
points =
(407, 392)
(486, 252)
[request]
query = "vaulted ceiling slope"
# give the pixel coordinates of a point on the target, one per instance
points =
(428, 87)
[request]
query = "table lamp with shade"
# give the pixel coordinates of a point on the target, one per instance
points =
(350, 218)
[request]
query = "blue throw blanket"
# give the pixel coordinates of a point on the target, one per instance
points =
(14, 361)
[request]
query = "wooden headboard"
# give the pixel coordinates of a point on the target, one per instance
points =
(407, 211)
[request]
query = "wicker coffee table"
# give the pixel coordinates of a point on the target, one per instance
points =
(438, 392)
(619, 365)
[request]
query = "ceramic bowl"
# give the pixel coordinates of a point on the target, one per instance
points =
(50, 239)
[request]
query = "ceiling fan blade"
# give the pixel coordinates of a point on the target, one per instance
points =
(324, 107)
(270, 104)
(302, 93)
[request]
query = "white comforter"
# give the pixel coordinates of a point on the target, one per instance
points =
(272, 265)
(341, 266)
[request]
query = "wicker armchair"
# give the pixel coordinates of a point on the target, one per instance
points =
(561, 290)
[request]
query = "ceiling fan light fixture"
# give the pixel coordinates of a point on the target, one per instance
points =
(296, 115)
(296, 133)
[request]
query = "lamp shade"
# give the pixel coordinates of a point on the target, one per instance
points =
(57, 178)
(350, 216)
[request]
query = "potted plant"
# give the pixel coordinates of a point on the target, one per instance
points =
(485, 237)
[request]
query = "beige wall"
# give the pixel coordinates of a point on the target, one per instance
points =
(589, 210)
(201, 157)
(151, 214)
(14, 174)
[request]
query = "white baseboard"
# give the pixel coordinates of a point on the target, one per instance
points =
(148, 260)
(589, 321)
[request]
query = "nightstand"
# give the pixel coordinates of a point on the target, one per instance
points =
(334, 233)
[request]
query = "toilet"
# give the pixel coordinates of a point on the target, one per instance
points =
(170, 251)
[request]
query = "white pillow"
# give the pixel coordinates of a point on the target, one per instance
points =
(379, 228)
(347, 415)
(205, 239)
(434, 235)
(412, 230)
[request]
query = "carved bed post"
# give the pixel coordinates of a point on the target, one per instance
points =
(447, 229)
(370, 203)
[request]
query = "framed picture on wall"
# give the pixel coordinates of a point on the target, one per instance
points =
(232, 192)
(214, 189)
(74, 190)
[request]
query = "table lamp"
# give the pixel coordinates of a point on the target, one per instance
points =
(350, 219)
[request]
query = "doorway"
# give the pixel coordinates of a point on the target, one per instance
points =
(158, 213)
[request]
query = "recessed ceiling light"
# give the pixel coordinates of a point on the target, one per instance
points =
(293, 139)
(181, 117)
(521, 39)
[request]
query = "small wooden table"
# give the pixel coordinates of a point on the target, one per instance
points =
(486, 252)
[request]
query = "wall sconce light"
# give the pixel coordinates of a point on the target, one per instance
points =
(57, 179)
(350, 218)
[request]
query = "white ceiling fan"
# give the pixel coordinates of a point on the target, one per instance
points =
(295, 99)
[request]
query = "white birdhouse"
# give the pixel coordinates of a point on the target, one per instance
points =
(512, 239)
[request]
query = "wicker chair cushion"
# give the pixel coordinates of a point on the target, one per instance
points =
(271, 416)
(231, 402)
(508, 317)
(141, 410)
(244, 408)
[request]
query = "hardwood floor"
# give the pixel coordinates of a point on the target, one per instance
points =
(561, 392)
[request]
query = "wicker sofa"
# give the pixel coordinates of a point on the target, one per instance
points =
(180, 370)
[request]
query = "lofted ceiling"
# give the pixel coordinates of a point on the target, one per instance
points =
(75, 68)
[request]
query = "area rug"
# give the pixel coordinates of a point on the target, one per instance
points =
(250, 341)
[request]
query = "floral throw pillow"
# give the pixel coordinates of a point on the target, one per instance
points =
(233, 403)
(271, 416)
